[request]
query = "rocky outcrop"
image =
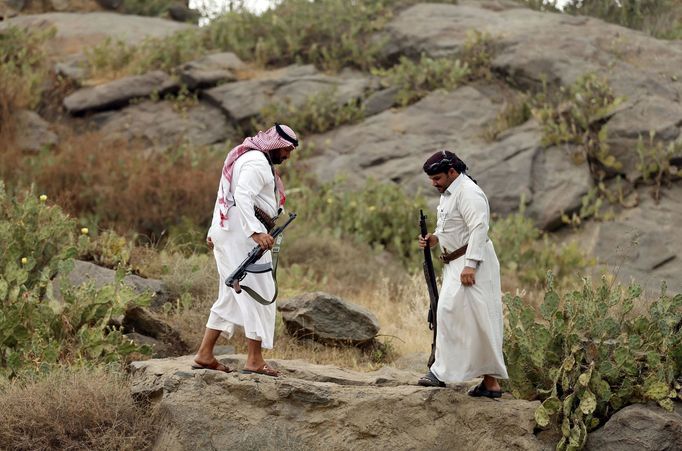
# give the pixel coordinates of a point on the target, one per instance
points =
(243, 100)
(33, 132)
(86, 272)
(534, 47)
(322, 407)
(639, 428)
(641, 243)
(328, 319)
(144, 326)
(118, 93)
(161, 125)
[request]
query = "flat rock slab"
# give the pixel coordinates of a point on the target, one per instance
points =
(642, 243)
(118, 93)
(165, 124)
(213, 410)
(243, 100)
(78, 31)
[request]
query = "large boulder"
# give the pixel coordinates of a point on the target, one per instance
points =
(639, 428)
(163, 124)
(243, 100)
(534, 48)
(641, 243)
(86, 272)
(328, 319)
(33, 132)
(351, 410)
(119, 92)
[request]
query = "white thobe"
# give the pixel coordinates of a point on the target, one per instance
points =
(470, 325)
(253, 184)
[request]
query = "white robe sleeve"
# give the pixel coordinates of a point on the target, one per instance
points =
(474, 209)
(252, 179)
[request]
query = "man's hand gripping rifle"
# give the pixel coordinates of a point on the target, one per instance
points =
(249, 263)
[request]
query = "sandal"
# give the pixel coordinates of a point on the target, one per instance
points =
(430, 380)
(215, 366)
(480, 390)
(265, 370)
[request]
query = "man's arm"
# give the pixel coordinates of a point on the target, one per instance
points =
(474, 209)
(252, 179)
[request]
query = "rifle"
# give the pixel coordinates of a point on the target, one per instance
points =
(430, 275)
(249, 264)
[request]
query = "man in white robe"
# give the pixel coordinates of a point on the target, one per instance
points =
(469, 326)
(248, 181)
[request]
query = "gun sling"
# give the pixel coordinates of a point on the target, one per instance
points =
(260, 268)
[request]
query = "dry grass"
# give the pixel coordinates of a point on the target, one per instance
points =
(76, 410)
(123, 187)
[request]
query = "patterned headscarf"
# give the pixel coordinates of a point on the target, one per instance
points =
(277, 137)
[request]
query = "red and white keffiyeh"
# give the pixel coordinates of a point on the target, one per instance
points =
(264, 142)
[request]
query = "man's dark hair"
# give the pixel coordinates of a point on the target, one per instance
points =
(442, 161)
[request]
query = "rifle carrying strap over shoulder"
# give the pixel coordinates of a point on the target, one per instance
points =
(260, 268)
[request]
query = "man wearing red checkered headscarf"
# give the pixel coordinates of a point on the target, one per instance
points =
(250, 188)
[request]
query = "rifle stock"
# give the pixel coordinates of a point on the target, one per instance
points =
(430, 276)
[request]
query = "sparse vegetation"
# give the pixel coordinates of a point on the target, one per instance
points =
(656, 163)
(659, 18)
(416, 79)
(319, 113)
(576, 115)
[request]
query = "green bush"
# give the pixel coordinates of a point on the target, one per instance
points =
(415, 80)
(379, 214)
(36, 330)
(114, 58)
(590, 354)
(655, 163)
(525, 251)
(328, 33)
(319, 113)
(576, 115)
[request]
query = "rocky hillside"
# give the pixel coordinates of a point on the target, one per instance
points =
(518, 167)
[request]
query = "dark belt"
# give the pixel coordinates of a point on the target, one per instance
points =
(446, 257)
(264, 219)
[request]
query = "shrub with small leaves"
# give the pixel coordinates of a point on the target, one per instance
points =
(380, 214)
(319, 113)
(656, 163)
(576, 115)
(590, 354)
(415, 80)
